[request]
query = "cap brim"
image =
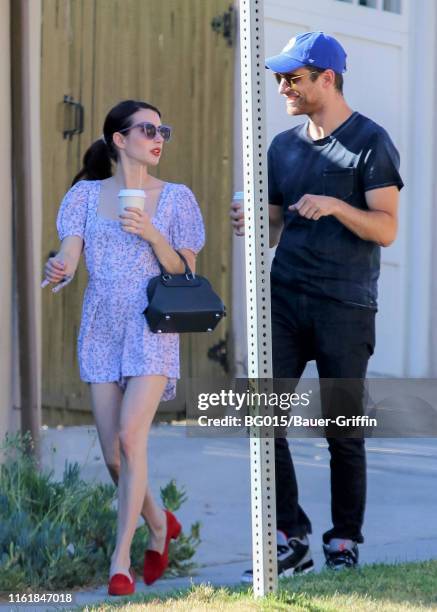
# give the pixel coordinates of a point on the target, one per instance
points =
(283, 63)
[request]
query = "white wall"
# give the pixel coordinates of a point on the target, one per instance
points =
(381, 82)
(421, 119)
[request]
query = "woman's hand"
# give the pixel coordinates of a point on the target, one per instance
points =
(138, 222)
(61, 268)
(57, 268)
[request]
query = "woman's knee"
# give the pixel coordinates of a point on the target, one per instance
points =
(111, 452)
(131, 442)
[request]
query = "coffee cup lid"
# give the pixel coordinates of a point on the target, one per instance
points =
(139, 193)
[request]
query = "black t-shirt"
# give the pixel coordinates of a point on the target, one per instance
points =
(323, 257)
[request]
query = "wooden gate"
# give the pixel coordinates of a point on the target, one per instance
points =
(96, 53)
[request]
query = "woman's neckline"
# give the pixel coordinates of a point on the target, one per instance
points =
(111, 220)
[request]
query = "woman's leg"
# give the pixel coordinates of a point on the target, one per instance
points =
(138, 408)
(106, 404)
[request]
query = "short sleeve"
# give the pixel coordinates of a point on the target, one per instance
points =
(381, 163)
(187, 228)
(275, 195)
(72, 214)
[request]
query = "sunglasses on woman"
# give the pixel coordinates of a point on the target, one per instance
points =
(150, 130)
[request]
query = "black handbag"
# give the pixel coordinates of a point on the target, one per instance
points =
(180, 303)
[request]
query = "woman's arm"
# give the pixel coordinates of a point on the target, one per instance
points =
(70, 224)
(138, 222)
(168, 257)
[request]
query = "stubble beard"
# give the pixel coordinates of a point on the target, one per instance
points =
(297, 108)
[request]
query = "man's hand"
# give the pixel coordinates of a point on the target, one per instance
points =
(237, 217)
(378, 224)
(276, 221)
(315, 206)
(138, 222)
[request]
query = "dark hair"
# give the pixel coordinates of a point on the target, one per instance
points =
(97, 159)
(338, 83)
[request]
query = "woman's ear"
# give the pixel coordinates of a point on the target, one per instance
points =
(118, 139)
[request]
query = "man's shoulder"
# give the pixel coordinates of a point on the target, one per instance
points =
(369, 128)
(287, 136)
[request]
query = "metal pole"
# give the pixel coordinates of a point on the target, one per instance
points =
(262, 451)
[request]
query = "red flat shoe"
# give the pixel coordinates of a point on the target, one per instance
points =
(155, 563)
(121, 585)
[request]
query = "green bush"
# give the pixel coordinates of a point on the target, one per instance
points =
(57, 535)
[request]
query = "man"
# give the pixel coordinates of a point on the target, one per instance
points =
(333, 198)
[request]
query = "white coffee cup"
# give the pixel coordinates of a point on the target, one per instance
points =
(132, 198)
(238, 196)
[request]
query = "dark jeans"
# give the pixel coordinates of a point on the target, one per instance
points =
(341, 339)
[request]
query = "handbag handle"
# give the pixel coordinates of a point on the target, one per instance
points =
(167, 276)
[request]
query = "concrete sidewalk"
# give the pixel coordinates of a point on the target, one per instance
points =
(400, 518)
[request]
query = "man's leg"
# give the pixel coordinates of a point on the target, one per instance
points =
(290, 518)
(345, 339)
(290, 354)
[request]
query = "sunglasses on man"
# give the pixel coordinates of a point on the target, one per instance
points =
(150, 130)
(289, 79)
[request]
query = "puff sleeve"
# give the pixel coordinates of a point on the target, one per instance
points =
(72, 214)
(187, 228)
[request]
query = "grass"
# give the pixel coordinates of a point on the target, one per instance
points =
(405, 587)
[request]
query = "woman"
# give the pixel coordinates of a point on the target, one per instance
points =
(130, 369)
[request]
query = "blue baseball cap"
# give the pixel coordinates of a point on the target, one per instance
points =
(309, 49)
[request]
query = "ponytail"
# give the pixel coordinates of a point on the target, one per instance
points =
(96, 163)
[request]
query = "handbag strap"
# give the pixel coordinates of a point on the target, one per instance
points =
(188, 273)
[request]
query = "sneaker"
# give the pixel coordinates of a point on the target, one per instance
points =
(294, 557)
(341, 554)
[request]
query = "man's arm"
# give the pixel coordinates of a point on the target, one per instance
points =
(276, 221)
(378, 224)
(276, 224)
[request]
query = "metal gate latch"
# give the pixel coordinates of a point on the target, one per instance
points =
(219, 352)
(78, 117)
(226, 24)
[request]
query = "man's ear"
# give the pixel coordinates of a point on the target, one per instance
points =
(328, 77)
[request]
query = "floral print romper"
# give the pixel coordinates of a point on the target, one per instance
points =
(114, 340)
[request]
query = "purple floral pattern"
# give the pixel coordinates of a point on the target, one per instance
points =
(115, 341)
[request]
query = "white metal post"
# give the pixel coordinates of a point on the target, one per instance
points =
(262, 452)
